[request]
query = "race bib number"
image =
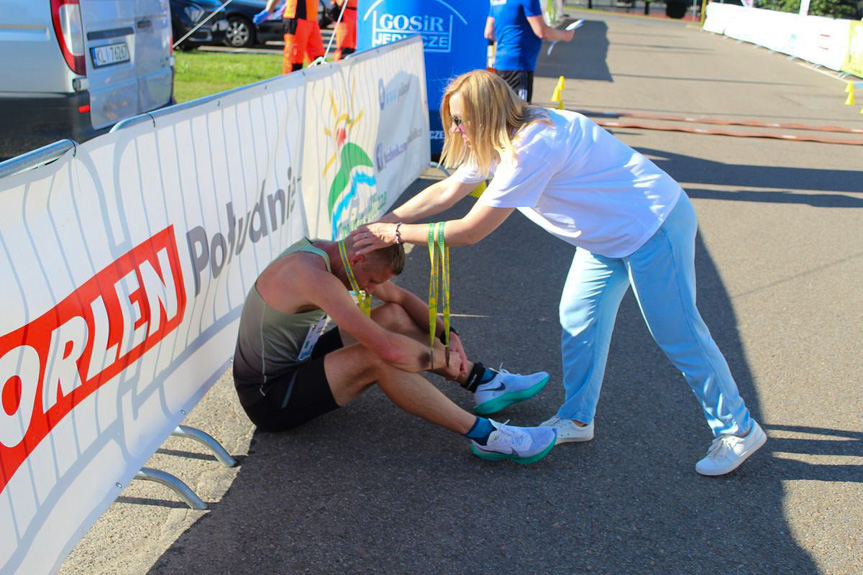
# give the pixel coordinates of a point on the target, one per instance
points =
(315, 332)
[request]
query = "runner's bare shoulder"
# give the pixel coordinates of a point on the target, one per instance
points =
(287, 282)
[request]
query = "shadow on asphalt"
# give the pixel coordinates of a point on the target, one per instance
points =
(850, 444)
(569, 58)
(157, 502)
(696, 170)
(825, 200)
(370, 489)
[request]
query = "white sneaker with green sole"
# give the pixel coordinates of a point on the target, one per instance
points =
(507, 388)
(523, 445)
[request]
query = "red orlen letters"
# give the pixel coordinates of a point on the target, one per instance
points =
(50, 365)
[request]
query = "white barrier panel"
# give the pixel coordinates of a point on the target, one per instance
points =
(767, 28)
(718, 17)
(822, 41)
(128, 267)
(366, 136)
(125, 268)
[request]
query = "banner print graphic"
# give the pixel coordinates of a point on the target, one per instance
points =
(354, 181)
(366, 137)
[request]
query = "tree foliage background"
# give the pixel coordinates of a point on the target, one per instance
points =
(831, 8)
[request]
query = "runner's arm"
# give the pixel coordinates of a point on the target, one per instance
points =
(546, 32)
(489, 28)
(412, 304)
(418, 310)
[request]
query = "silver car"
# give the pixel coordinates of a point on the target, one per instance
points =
(73, 68)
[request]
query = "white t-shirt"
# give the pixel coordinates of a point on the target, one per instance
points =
(582, 184)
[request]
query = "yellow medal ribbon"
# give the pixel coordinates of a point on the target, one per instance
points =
(364, 300)
(438, 284)
(444, 262)
(433, 283)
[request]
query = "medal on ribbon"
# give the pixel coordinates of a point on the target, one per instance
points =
(438, 285)
(364, 300)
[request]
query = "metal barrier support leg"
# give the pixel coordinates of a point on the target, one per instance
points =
(181, 489)
(207, 440)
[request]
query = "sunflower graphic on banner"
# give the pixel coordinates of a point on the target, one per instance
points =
(351, 193)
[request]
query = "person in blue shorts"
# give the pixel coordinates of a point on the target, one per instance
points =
(518, 29)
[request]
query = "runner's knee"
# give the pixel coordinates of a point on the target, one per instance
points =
(392, 316)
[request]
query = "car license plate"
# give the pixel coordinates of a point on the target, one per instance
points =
(110, 54)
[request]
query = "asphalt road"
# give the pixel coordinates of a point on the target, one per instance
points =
(369, 489)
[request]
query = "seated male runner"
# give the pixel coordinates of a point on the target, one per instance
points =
(287, 372)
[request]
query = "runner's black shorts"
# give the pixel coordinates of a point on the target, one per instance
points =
(521, 82)
(300, 395)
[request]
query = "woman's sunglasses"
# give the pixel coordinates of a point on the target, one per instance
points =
(457, 121)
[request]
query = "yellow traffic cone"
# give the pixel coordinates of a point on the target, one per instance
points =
(556, 95)
(849, 89)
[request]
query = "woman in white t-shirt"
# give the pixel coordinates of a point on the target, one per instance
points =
(632, 224)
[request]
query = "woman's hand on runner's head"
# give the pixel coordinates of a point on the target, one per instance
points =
(371, 237)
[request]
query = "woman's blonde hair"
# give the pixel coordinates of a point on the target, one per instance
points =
(493, 114)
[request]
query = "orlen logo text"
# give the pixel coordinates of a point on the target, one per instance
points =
(436, 30)
(50, 365)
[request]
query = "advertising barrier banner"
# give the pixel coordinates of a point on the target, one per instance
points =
(366, 137)
(127, 263)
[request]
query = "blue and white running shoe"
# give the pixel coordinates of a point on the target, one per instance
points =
(523, 445)
(507, 388)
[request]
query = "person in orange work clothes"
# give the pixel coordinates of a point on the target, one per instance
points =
(302, 32)
(346, 30)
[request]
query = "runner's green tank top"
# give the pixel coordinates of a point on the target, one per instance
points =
(269, 341)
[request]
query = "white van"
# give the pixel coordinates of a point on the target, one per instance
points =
(74, 68)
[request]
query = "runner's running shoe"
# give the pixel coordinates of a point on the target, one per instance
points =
(507, 388)
(520, 444)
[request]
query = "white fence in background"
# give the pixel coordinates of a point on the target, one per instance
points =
(822, 41)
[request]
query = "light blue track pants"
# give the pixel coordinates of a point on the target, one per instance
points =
(662, 276)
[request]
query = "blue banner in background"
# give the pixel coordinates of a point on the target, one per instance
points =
(452, 34)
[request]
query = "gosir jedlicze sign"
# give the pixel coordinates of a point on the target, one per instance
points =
(439, 23)
(452, 37)
(436, 31)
